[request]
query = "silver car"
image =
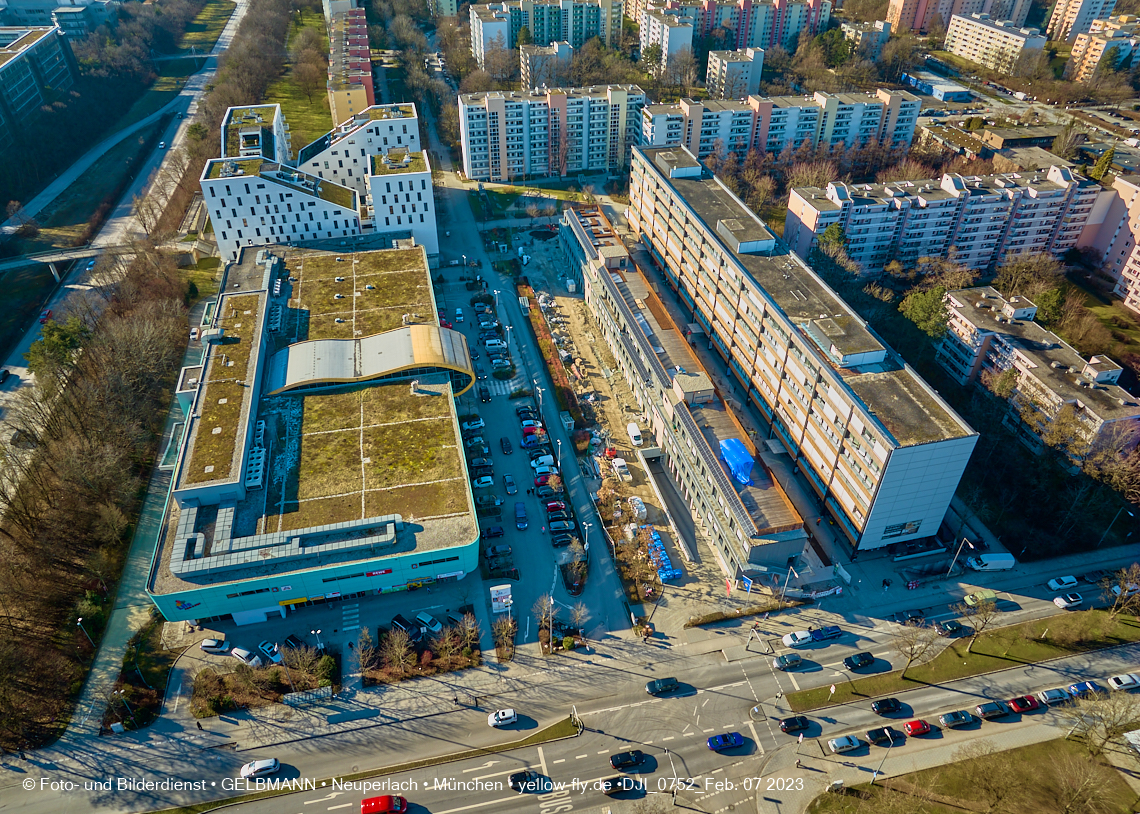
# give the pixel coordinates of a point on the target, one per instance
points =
(847, 743)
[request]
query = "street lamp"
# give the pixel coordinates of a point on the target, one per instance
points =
(465, 262)
(1110, 525)
(79, 622)
(123, 697)
(787, 579)
(558, 454)
(496, 298)
(878, 771)
(317, 633)
(538, 393)
(956, 553)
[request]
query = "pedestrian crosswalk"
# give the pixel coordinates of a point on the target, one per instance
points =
(498, 387)
(351, 617)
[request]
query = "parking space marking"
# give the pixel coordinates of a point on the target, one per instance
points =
(556, 762)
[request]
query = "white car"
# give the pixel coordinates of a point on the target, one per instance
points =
(241, 654)
(271, 651)
(1126, 681)
(430, 622)
(1062, 583)
(845, 744)
(214, 645)
(260, 768)
(1050, 698)
(484, 482)
(1130, 589)
(458, 314)
(502, 717)
(479, 424)
(539, 471)
(800, 637)
(531, 423)
(1067, 601)
(193, 334)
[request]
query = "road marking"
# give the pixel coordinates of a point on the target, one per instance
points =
(477, 805)
(496, 774)
(542, 762)
(669, 738)
(755, 737)
(579, 757)
(560, 760)
(343, 805)
(604, 751)
(486, 765)
(709, 730)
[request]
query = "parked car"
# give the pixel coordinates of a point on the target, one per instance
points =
(886, 706)
(1024, 703)
(1124, 681)
(241, 654)
(978, 597)
(505, 445)
(414, 631)
(659, 686)
(1062, 583)
(1085, 689)
(797, 639)
(625, 760)
(429, 622)
(530, 422)
(955, 719)
(552, 516)
(991, 709)
(501, 550)
(539, 471)
(483, 482)
(858, 661)
(45, 315)
(822, 634)
(727, 740)
(293, 642)
(917, 727)
(1057, 695)
(492, 532)
(215, 646)
(846, 743)
(1096, 577)
(261, 768)
(949, 628)
(561, 540)
(884, 736)
(1068, 601)
(482, 472)
(509, 483)
(545, 491)
(790, 661)
(271, 651)
(562, 525)
(796, 723)
(502, 717)
(482, 462)
(474, 441)
(474, 424)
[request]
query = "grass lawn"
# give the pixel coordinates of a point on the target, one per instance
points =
(25, 291)
(204, 276)
(999, 649)
(308, 120)
(172, 75)
(957, 61)
(954, 789)
(1122, 323)
(205, 29)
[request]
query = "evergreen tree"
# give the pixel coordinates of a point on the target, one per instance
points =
(1102, 164)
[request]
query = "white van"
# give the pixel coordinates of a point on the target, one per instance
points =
(495, 344)
(991, 562)
(634, 434)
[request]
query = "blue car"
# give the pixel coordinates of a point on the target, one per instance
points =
(821, 634)
(1085, 689)
(729, 740)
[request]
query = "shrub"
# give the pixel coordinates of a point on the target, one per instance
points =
(567, 642)
(326, 670)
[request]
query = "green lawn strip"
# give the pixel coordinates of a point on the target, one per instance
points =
(559, 731)
(203, 31)
(1000, 649)
(308, 119)
(954, 791)
(172, 75)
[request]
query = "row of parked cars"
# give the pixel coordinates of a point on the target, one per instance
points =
(267, 652)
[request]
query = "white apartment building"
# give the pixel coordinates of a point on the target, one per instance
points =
(973, 220)
(734, 74)
(671, 32)
(1073, 17)
(881, 450)
(256, 131)
(344, 154)
(988, 333)
(545, 65)
(867, 39)
(572, 21)
(400, 198)
(511, 134)
(884, 117)
(443, 8)
(1114, 233)
(752, 23)
(995, 44)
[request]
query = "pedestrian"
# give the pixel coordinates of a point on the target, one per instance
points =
(544, 529)
(818, 520)
(798, 763)
(200, 726)
(766, 615)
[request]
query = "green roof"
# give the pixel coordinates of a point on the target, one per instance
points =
(399, 163)
(248, 166)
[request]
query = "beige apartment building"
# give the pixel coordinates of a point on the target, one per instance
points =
(1073, 17)
(1114, 42)
(882, 451)
(917, 15)
(734, 74)
(989, 334)
(1114, 233)
(973, 220)
(995, 44)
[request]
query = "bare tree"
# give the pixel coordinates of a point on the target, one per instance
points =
(1082, 783)
(1100, 718)
(397, 650)
(980, 616)
(445, 644)
(1122, 591)
(503, 631)
(308, 76)
(469, 633)
(579, 615)
(366, 651)
(545, 611)
(913, 640)
(987, 771)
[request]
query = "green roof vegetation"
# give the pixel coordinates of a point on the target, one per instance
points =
(385, 111)
(334, 193)
(399, 163)
(248, 166)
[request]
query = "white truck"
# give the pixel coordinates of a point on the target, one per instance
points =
(621, 470)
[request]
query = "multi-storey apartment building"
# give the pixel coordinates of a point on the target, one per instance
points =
(1114, 234)
(884, 117)
(867, 39)
(256, 131)
(443, 8)
(990, 334)
(1073, 17)
(751, 528)
(917, 15)
(511, 134)
(973, 220)
(344, 154)
(545, 65)
(572, 21)
(1115, 42)
(755, 24)
(734, 74)
(883, 452)
(993, 43)
(350, 66)
(670, 32)
(35, 65)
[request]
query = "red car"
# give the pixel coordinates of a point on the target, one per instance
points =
(1024, 703)
(388, 804)
(45, 315)
(443, 323)
(541, 480)
(555, 506)
(918, 727)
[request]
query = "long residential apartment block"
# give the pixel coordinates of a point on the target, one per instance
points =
(884, 117)
(35, 65)
(1114, 234)
(1073, 17)
(882, 450)
(511, 134)
(497, 25)
(350, 66)
(1115, 42)
(995, 44)
(752, 24)
(990, 335)
(917, 15)
(366, 180)
(973, 220)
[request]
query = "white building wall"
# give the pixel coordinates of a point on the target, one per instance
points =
(403, 201)
(347, 160)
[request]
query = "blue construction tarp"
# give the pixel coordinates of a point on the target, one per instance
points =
(735, 455)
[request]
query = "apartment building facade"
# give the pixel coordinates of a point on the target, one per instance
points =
(1115, 42)
(350, 85)
(995, 44)
(882, 451)
(511, 134)
(884, 117)
(917, 15)
(1114, 234)
(867, 39)
(545, 65)
(989, 334)
(753, 24)
(1073, 17)
(443, 8)
(343, 155)
(670, 32)
(36, 64)
(973, 220)
(734, 74)
(572, 21)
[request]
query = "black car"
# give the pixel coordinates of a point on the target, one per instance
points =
(613, 785)
(524, 781)
(4, 374)
(552, 516)
(492, 532)
(294, 642)
(561, 540)
(661, 685)
(484, 394)
(480, 371)
(524, 408)
(993, 709)
(547, 491)
(916, 617)
(884, 736)
(885, 706)
(623, 760)
(414, 631)
(483, 471)
(1096, 577)
(858, 661)
(505, 444)
(949, 628)
(797, 723)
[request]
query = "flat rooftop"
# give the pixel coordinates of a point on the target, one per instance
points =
(597, 91)
(239, 120)
(398, 162)
(904, 404)
(284, 175)
(14, 40)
